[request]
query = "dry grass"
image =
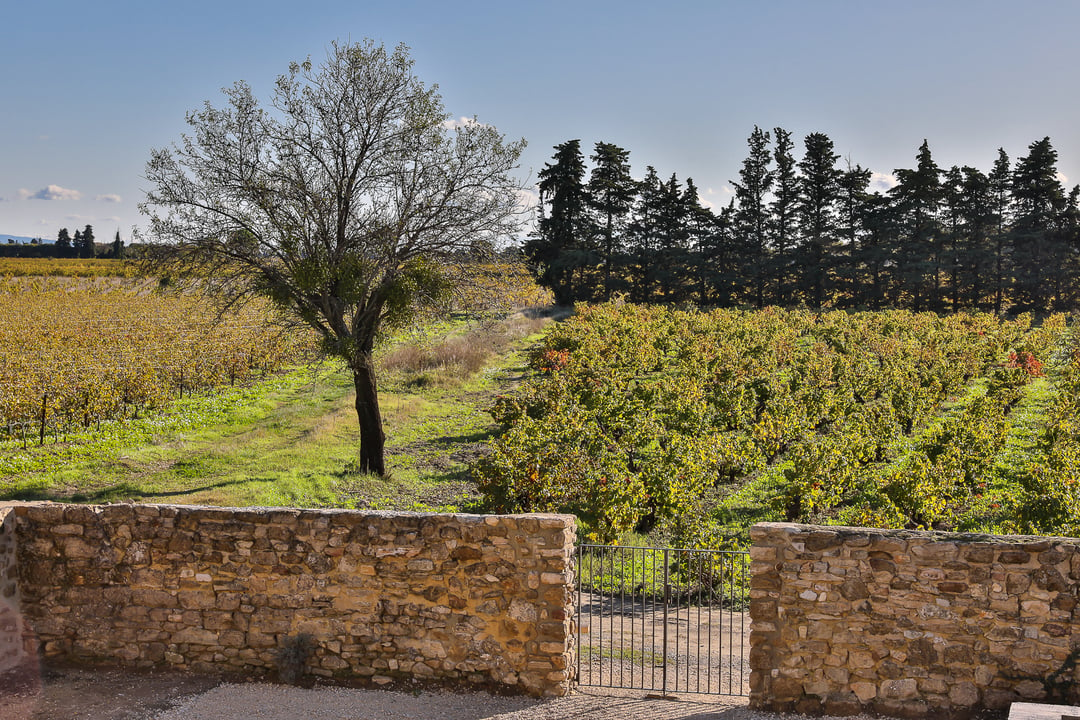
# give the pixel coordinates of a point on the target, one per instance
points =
(465, 354)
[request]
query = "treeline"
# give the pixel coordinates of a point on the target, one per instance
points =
(81, 245)
(811, 231)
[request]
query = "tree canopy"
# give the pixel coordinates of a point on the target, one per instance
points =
(340, 200)
(815, 231)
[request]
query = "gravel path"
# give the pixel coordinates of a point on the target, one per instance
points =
(279, 702)
(283, 702)
(82, 694)
(276, 702)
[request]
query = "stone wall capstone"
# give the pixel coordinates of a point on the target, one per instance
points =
(330, 593)
(911, 624)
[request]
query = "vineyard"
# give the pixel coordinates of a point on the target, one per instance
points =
(80, 351)
(696, 424)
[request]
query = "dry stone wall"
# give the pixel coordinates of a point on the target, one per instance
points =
(15, 639)
(345, 594)
(911, 624)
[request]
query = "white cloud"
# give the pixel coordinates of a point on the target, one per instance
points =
(528, 198)
(110, 219)
(1062, 178)
(454, 124)
(78, 218)
(882, 182)
(52, 192)
(712, 198)
(110, 198)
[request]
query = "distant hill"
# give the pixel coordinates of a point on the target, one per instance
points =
(20, 240)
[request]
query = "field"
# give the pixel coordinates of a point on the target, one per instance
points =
(686, 426)
(694, 425)
(81, 351)
(149, 396)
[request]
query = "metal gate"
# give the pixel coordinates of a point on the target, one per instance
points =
(668, 620)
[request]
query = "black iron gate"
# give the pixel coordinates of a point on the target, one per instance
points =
(668, 620)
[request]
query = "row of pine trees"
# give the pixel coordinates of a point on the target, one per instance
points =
(810, 231)
(82, 245)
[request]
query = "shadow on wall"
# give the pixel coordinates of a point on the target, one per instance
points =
(16, 639)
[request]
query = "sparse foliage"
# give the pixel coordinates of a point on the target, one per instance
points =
(341, 201)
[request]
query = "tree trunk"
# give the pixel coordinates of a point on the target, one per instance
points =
(372, 437)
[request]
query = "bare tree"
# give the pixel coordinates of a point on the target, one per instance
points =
(340, 202)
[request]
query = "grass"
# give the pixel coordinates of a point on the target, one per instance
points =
(641, 658)
(291, 440)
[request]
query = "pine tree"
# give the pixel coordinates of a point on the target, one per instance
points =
(717, 259)
(952, 233)
(611, 192)
(1000, 197)
(817, 209)
(117, 247)
(1070, 238)
(1036, 248)
(642, 237)
(88, 248)
(875, 253)
(976, 252)
(854, 184)
(752, 214)
(700, 228)
(557, 249)
(783, 226)
(917, 254)
(63, 242)
(672, 241)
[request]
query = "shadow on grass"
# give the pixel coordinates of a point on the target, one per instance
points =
(112, 493)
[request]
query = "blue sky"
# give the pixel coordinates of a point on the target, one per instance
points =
(90, 88)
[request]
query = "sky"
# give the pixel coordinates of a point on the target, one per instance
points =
(88, 89)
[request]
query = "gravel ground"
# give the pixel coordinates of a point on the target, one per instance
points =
(283, 702)
(277, 702)
(80, 694)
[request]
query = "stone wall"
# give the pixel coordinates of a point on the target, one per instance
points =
(15, 640)
(911, 624)
(338, 594)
